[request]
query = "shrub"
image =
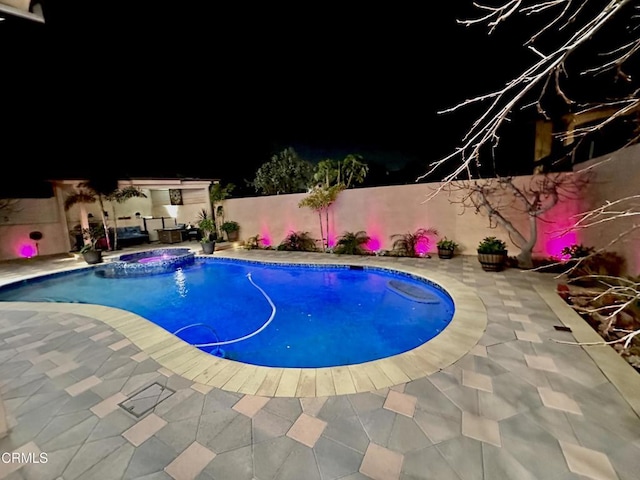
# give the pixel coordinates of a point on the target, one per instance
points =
(447, 244)
(256, 243)
(207, 228)
(352, 243)
(405, 244)
(577, 251)
(298, 242)
(608, 264)
(492, 245)
(230, 226)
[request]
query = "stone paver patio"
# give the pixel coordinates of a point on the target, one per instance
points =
(511, 403)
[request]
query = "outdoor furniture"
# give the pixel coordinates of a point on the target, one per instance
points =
(131, 236)
(170, 235)
(193, 234)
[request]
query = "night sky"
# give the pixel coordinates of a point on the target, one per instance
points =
(214, 93)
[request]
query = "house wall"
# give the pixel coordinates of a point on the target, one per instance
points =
(125, 212)
(49, 216)
(28, 215)
(193, 202)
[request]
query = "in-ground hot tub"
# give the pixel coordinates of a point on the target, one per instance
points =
(149, 262)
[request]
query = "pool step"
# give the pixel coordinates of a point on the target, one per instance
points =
(412, 292)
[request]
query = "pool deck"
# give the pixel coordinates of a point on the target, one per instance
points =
(494, 396)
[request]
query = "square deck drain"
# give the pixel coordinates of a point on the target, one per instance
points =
(562, 328)
(146, 399)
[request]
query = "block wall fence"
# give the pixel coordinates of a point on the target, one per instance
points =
(379, 211)
(385, 211)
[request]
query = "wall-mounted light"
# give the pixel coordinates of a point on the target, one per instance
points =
(36, 237)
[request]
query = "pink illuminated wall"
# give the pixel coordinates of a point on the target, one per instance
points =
(27, 250)
(383, 212)
(265, 235)
(422, 247)
(555, 228)
(553, 246)
(374, 230)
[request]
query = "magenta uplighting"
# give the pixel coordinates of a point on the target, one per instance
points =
(554, 246)
(27, 250)
(374, 230)
(373, 244)
(422, 247)
(265, 237)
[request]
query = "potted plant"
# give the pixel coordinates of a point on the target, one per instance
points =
(446, 248)
(231, 228)
(89, 251)
(492, 254)
(207, 228)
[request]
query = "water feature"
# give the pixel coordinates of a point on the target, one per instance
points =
(148, 262)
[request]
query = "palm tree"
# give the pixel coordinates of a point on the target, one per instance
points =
(319, 200)
(89, 192)
(92, 192)
(347, 172)
(327, 171)
(352, 243)
(354, 169)
(219, 194)
(406, 244)
(121, 195)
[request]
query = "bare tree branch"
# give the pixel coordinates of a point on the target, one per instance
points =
(484, 129)
(569, 28)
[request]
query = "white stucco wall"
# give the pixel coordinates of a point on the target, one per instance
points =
(49, 216)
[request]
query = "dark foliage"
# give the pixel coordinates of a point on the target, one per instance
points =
(298, 242)
(350, 243)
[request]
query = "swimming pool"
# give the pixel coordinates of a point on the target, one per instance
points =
(285, 315)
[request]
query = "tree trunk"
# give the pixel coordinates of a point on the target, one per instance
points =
(321, 229)
(326, 216)
(524, 258)
(104, 222)
(115, 227)
(526, 246)
(84, 223)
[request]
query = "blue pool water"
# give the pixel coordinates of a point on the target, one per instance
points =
(286, 315)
